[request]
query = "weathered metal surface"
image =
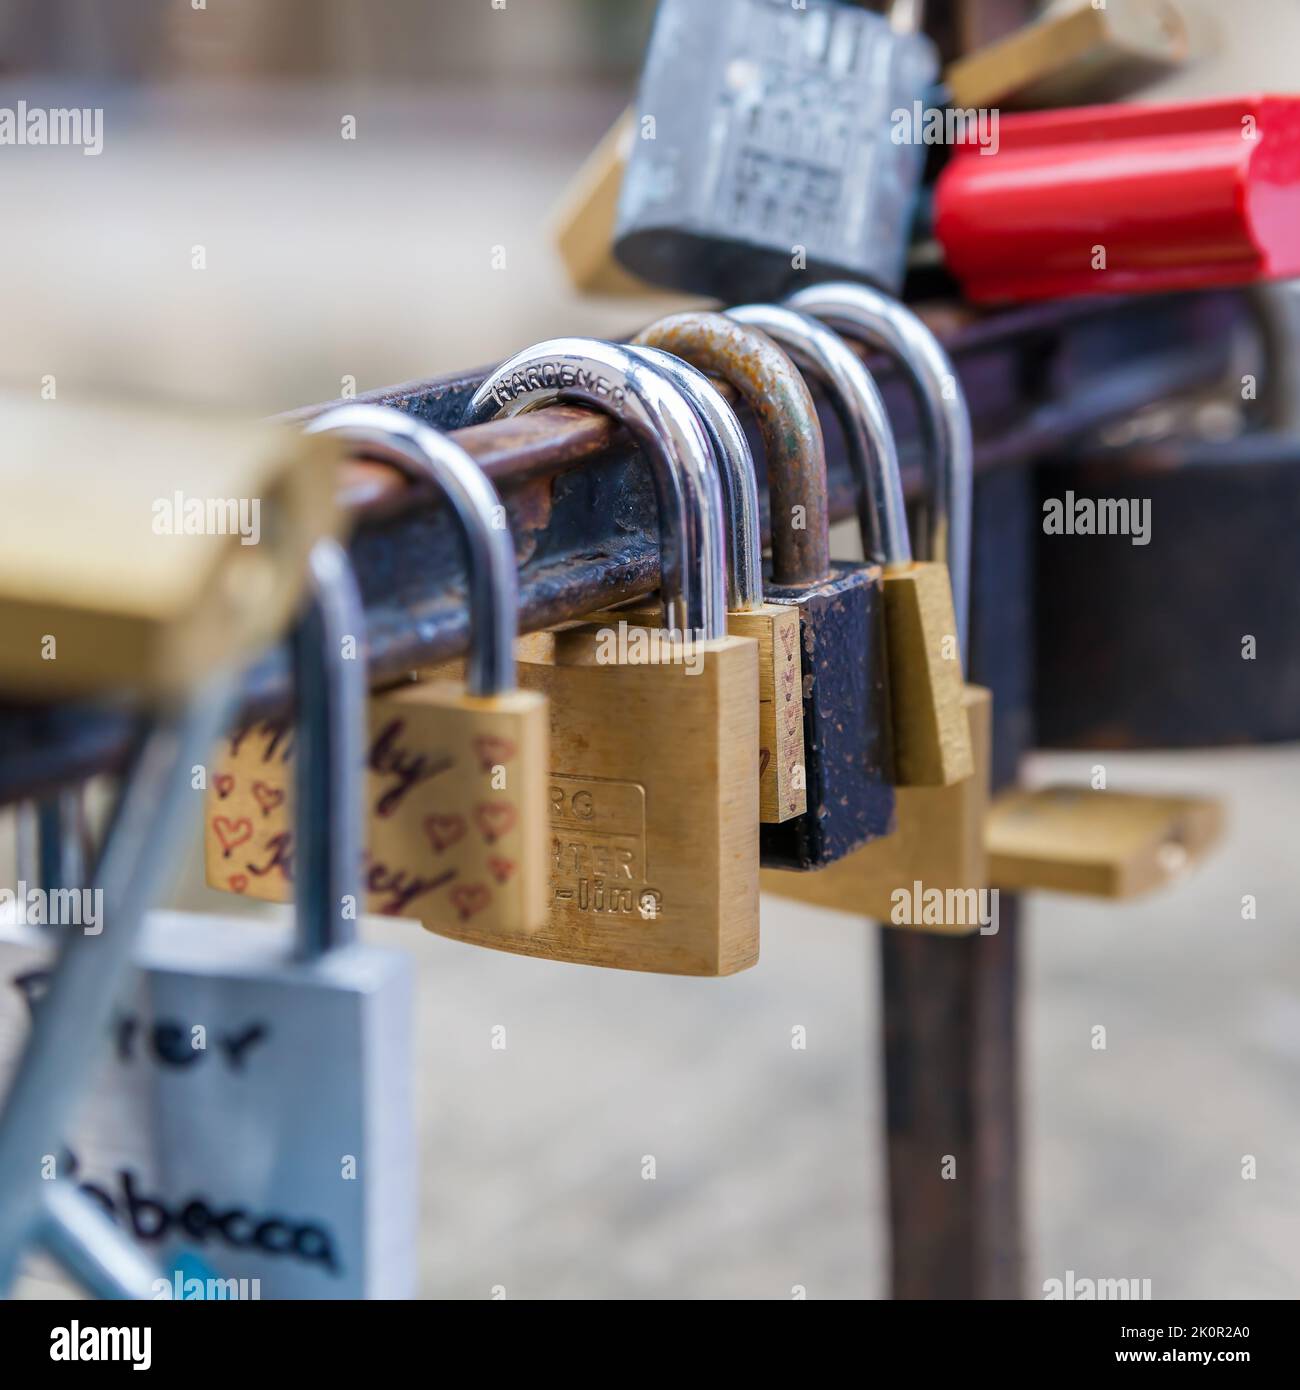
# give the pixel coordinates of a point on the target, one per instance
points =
(582, 509)
(847, 757)
(783, 410)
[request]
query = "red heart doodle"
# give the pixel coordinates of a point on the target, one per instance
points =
(501, 869)
(238, 882)
(470, 898)
(444, 831)
(490, 749)
(787, 637)
(232, 832)
(268, 798)
(224, 783)
(494, 819)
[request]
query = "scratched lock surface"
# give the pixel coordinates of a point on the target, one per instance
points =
(280, 1149)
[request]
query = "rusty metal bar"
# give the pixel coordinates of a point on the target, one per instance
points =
(582, 510)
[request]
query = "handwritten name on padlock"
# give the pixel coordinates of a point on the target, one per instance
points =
(444, 830)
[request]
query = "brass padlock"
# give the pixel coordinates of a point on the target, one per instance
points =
(654, 732)
(1104, 844)
(782, 788)
(181, 543)
(931, 742)
(850, 797)
(932, 871)
(457, 776)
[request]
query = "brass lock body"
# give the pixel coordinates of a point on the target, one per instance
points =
(654, 786)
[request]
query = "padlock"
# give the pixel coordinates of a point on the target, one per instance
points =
(1086, 53)
(457, 777)
(654, 732)
(838, 605)
(1125, 199)
(256, 1103)
(930, 738)
(931, 872)
(179, 548)
(766, 150)
(1104, 844)
(782, 783)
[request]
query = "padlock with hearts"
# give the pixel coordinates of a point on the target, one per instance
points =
(457, 778)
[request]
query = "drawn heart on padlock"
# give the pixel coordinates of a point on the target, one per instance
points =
(491, 749)
(444, 831)
(238, 882)
(224, 783)
(470, 898)
(494, 819)
(232, 832)
(268, 798)
(500, 869)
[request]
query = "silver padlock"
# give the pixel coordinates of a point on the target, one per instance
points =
(256, 1103)
(767, 149)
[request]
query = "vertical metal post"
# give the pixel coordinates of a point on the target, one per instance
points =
(950, 1003)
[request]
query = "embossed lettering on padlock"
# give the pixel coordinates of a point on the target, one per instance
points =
(654, 732)
(782, 781)
(837, 605)
(456, 776)
(255, 1106)
(776, 154)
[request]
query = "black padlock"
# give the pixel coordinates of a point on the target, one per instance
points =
(850, 799)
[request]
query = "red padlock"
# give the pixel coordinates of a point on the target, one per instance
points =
(1125, 199)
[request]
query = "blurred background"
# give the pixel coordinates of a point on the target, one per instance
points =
(422, 245)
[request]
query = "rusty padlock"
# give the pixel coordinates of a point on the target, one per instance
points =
(782, 785)
(931, 873)
(839, 608)
(931, 745)
(654, 732)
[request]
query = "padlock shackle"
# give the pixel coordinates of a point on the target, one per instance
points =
(735, 466)
(779, 398)
(329, 754)
(868, 436)
(612, 379)
(876, 319)
(424, 454)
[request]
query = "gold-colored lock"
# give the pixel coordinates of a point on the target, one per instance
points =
(177, 543)
(457, 777)
(782, 785)
(1102, 844)
(936, 854)
(654, 732)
